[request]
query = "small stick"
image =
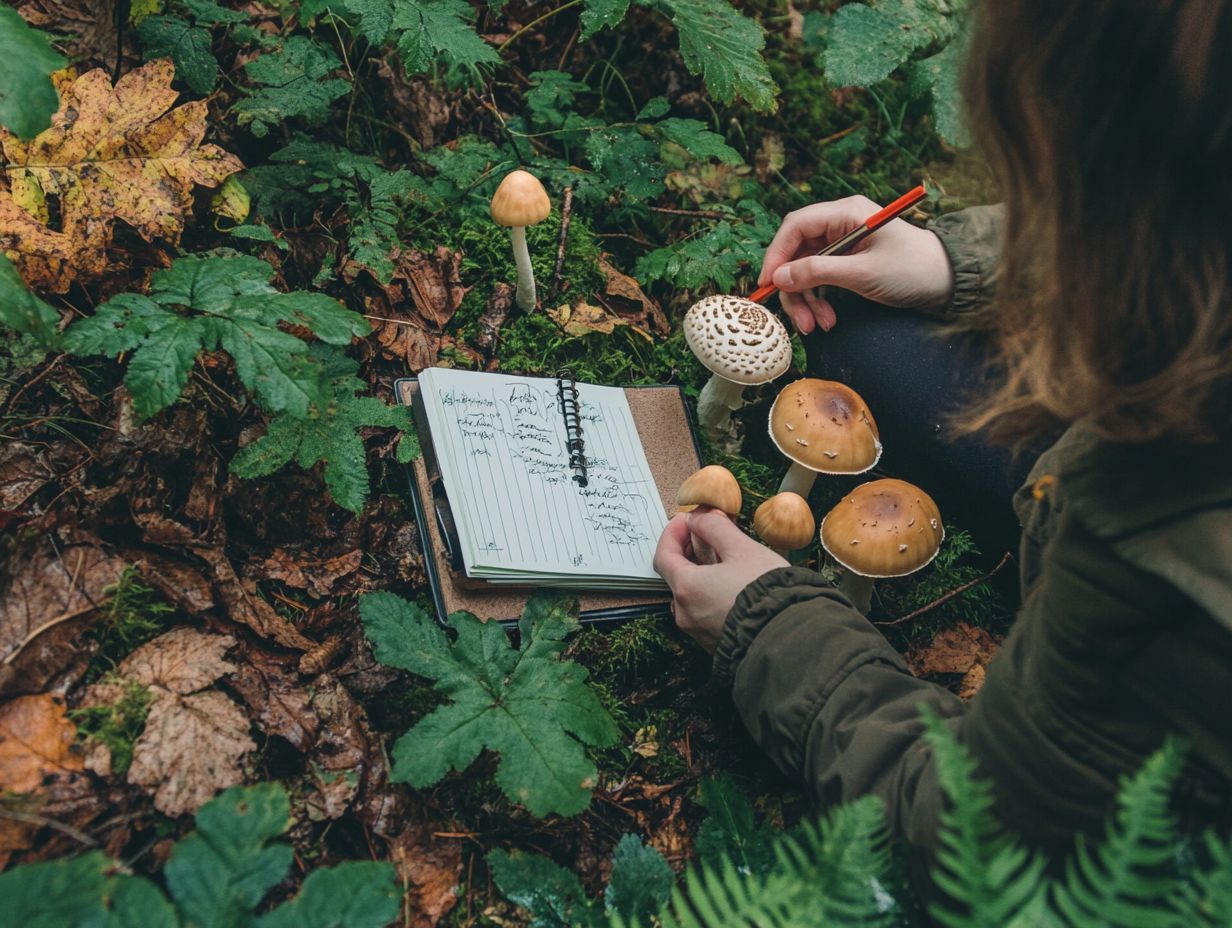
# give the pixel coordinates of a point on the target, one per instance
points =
(946, 597)
(566, 211)
(31, 819)
(695, 213)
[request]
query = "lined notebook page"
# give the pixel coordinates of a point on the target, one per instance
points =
(500, 445)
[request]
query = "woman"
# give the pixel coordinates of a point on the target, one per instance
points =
(1109, 126)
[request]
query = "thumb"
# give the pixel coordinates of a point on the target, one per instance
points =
(851, 272)
(718, 531)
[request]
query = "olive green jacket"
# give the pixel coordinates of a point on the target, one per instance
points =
(1125, 634)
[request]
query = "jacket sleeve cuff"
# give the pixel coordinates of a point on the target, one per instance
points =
(972, 239)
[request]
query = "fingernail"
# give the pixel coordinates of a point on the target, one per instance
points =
(782, 277)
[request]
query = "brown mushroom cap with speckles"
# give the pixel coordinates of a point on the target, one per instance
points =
(737, 339)
(713, 485)
(886, 528)
(825, 426)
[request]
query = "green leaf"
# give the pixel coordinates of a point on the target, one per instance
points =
(373, 234)
(293, 81)
(866, 44)
(259, 233)
(718, 256)
(186, 44)
(533, 709)
(549, 102)
(724, 47)
(22, 311)
(431, 27)
(375, 17)
(694, 137)
(552, 895)
(329, 434)
(731, 829)
(357, 894)
(27, 97)
(627, 160)
(641, 881)
(56, 893)
(223, 869)
(942, 75)
(602, 14)
(209, 13)
(138, 903)
(202, 303)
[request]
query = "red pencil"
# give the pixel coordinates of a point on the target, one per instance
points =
(848, 241)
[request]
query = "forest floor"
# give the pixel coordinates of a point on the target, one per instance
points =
(126, 534)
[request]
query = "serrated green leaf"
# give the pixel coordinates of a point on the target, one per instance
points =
(865, 45)
(533, 709)
(627, 161)
(699, 141)
(292, 81)
(602, 14)
(27, 97)
(209, 13)
(942, 74)
(724, 47)
(22, 311)
(138, 903)
(731, 830)
(655, 107)
(56, 893)
(329, 434)
(717, 256)
(202, 303)
(186, 44)
(549, 102)
(641, 881)
(552, 895)
(356, 894)
(374, 17)
(431, 27)
(259, 233)
(221, 871)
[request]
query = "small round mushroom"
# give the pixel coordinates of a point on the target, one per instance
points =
(886, 528)
(742, 344)
(521, 201)
(713, 486)
(823, 427)
(785, 522)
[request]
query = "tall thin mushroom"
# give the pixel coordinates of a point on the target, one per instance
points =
(824, 427)
(742, 344)
(521, 201)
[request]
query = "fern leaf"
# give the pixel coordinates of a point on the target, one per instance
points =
(1126, 882)
(989, 877)
(1209, 900)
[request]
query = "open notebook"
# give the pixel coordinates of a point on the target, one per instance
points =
(528, 507)
(500, 511)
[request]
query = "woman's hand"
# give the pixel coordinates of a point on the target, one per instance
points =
(703, 594)
(899, 265)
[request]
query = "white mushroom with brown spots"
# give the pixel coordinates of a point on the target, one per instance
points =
(742, 344)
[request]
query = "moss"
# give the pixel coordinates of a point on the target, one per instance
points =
(133, 614)
(117, 726)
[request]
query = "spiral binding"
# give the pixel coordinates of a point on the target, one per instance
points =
(571, 412)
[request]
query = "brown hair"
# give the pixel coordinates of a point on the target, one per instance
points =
(1109, 126)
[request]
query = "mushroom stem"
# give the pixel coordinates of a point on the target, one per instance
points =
(526, 276)
(798, 479)
(717, 400)
(858, 589)
(703, 553)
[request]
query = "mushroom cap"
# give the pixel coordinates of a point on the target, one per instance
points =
(713, 485)
(737, 339)
(825, 426)
(520, 200)
(785, 521)
(886, 528)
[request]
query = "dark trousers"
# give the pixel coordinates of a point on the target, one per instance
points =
(915, 378)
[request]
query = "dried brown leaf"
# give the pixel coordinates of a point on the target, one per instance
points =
(582, 318)
(301, 571)
(626, 296)
(430, 868)
(960, 649)
(112, 153)
(279, 704)
(36, 744)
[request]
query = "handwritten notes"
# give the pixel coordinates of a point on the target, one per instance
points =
(522, 519)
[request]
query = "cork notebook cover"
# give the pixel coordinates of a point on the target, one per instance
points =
(667, 437)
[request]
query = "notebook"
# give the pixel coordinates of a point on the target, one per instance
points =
(529, 482)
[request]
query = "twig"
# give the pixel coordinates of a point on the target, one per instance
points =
(695, 213)
(946, 597)
(566, 210)
(11, 402)
(31, 819)
(413, 325)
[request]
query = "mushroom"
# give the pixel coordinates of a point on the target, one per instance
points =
(713, 486)
(886, 528)
(521, 201)
(742, 344)
(822, 427)
(785, 522)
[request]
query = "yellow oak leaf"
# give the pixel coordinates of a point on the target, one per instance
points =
(113, 153)
(583, 318)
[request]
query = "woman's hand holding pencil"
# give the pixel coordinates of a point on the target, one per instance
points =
(901, 265)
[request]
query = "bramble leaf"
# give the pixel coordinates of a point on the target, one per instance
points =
(27, 96)
(56, 893)
(694, 137)
(24, 312)
(329, 433)
(724, 47)
(355, 894)
(186, 44)
(293, 81)
(941, 74)
(866, 44)
(236, 309)
(641, 881)
(533, 709)
(552, 895)
(431, 27)
(602, 14)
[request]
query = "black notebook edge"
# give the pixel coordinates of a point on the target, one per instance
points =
(444, 516)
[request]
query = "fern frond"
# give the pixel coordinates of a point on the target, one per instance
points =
(988, 877)
(1208, 901)
(1130, 879)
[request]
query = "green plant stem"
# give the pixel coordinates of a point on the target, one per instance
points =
(534, 22)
